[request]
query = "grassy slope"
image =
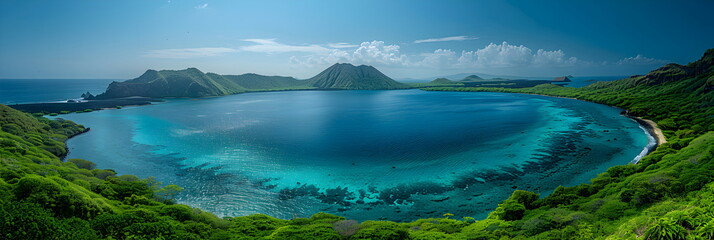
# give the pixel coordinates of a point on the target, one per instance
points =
(348, 76)
(255, 82)
(167, 83)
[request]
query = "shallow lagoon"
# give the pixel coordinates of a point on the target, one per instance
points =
(397, 155)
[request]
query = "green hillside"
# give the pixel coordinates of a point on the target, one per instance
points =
(348, 76)
(169, 83)
(192, 82)
(441, 81)
(669, 194)
(253, 81)
(471, 78)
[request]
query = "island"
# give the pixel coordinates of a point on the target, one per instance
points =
(668, 193)
(192, 82)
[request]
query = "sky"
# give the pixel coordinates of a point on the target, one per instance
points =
(404, 39)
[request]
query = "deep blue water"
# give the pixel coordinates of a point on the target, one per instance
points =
(14, 91)
(397, 155)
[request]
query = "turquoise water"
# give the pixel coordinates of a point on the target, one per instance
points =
(397, 155)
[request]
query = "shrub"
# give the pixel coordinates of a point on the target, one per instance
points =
(665, 229)
(381, 230)
(81, 163)
(325, 217)
(509, 210)
(706, 231)
(526, 198)
(305, 232)
(255, 226)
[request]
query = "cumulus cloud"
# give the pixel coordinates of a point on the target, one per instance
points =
(507, 55)
(557, 57)
(502, 55)
(271, 46)
(374, 52)
(378, 52)
(202, 6)
(445, 39)
(188, 52)
(640, 60)
(439, 58)
(334, 56)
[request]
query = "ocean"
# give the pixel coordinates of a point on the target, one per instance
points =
(16, 91)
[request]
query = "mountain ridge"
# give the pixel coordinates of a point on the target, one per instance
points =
(192, 82)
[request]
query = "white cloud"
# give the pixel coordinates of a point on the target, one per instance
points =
(640, 60)
(506, 55)
(271, 46)
(439, 58)
(445, 39)
(188, 52)
(202, 6)
(557, 58)
(334, 56)
(341, 45)
(502, 55)
(374, 52)
(377, 52)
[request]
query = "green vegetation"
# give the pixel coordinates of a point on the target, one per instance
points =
(472, 81)
(192, 82)
(255, 82)
(668, 195)
(439, 82)
(471, 78)
(348, 76)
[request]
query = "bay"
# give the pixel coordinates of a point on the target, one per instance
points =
(397, 155)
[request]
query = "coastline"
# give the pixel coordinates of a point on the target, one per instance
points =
(66, 147)
(650, 126)
(58, 107)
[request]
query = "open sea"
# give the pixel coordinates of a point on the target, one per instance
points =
(366, 155)
(14, 91)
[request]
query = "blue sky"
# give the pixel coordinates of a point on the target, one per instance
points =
(404, 39)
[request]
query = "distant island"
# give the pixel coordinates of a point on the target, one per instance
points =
(192, 82)
(154, 85)
(477, 81)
